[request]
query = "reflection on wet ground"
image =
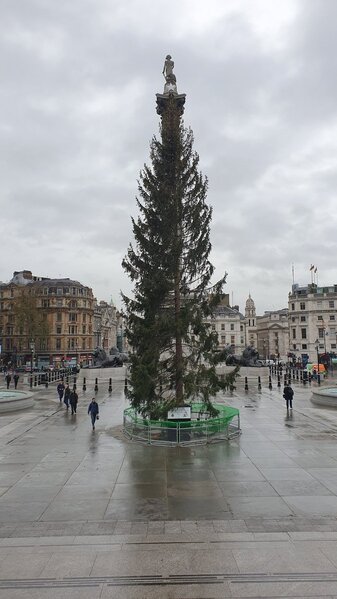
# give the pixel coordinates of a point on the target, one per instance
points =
(84, 475)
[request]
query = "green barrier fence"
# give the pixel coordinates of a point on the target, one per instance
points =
(199, 430)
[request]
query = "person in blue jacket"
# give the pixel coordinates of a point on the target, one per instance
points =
(93, 411)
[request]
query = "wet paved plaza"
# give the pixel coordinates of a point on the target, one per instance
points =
(88, 514)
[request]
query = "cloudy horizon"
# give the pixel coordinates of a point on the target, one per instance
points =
(78, 112)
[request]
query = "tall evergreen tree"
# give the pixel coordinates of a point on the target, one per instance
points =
(174, 348)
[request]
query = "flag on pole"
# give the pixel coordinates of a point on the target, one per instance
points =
(312, 267)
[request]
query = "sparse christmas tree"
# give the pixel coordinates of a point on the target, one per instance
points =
(174, 349)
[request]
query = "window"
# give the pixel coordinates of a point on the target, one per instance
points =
(321, 333)
(84, 317)
(223, 338)
(331, 304)
(84, 341)
(83, 329)
(58, 330)
(59, 316)
(332, 317)
(293, 306)
(304, 346)
(302, 306)
(73, 317)
(45, 303)
(303, 318)
(73, 304)
(213, 327)
(232, 327)
(242, 341)
(303, 333)
(232, 339)
(319, 317)
(72, 330)
(294, 333)
(222, 327)
(293, 319)
(71, 343)
(59, 303)
(58, 343)
(333, 345)
(59, 291)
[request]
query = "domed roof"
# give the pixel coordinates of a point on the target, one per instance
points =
(250, 303)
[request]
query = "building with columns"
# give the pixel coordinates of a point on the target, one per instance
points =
(105, 325)
(273, 335)
(313, 321)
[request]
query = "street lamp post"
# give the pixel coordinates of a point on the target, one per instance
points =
(32, 350)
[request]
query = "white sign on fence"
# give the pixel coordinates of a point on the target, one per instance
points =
(181, 413)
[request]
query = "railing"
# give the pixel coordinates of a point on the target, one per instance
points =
(200, 430)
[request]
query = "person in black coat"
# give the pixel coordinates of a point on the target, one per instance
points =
(8, 379)
(60, 390)
(288, 395)
(73, 399)
(67, 394)
(15, 379)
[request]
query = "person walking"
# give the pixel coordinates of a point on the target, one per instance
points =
(8, 379)
(93, 410)
(67, 394)
(73, 399)
(16, 380)
(60, 390)
(288, 395)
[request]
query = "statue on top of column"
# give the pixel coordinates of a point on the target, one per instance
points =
(171, 82)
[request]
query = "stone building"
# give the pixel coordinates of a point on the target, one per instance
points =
(272, 331)
(50, 319)
(313, 321)
(105, 325)
(228, 322)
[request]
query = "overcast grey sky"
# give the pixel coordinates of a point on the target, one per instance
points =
(77, 112)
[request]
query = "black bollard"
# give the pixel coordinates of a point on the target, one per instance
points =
(278, 380)
(126, 385)
(246, 383)
(297, 374)
(301, 375)
(35, 381)
(110, 386)
(31, 381)
(270, 383)
(96, 385)
(84, 385)
(309, 377)
(318, 378)
(305, 377)
(46, 382)
(67, 379)
(285, 379)
(259, 383)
